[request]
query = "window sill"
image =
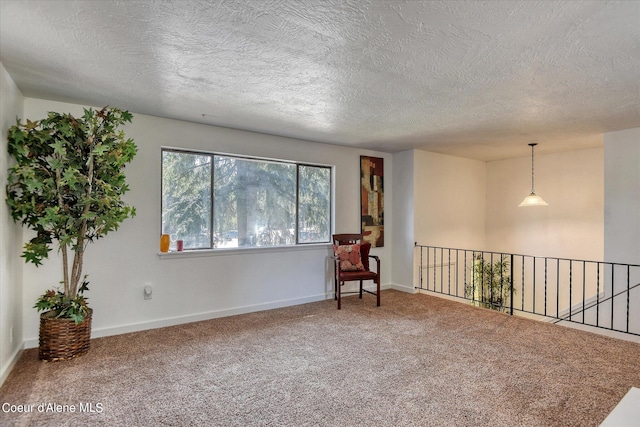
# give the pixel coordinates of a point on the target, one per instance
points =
(199, 253)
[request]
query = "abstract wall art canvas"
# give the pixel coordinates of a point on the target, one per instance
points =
(372, 200)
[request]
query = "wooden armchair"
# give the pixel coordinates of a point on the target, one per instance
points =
(351, 257)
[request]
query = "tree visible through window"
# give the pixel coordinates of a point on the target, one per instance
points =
(220, 201)
(186, 198)
(314, 187)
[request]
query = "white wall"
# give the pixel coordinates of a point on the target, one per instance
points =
(449, 201)
(403, 222)
(572, 226)
(622, 196)
(194, 288)
(449, 197)
(11, 106)
(622, 219)
(471, 204)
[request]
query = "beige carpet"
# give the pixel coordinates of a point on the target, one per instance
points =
(415, 361)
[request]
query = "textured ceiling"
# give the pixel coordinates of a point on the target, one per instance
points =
(477, 79)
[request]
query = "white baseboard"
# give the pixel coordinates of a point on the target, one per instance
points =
(600, 331)
(6, 369)
(178, 320)
(402, 288)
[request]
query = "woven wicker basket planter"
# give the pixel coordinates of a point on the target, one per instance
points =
(62, 339)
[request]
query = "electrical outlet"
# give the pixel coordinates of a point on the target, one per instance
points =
(148, 291)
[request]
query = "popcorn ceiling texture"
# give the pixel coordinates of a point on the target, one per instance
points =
(416, 360)
(478, 79)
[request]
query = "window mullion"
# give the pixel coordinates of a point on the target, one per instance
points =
(213, 203)
(297, 223)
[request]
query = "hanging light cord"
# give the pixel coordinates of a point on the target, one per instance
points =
(532, 186)
(533, 199)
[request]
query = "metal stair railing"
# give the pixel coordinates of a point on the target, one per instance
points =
(593, 293)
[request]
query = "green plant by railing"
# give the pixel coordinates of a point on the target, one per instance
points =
(490, 284)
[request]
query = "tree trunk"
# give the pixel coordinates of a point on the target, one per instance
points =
(76, 272)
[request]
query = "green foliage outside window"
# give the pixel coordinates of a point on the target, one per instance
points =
(256, 202)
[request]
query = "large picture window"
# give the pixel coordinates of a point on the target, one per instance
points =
(222, 201)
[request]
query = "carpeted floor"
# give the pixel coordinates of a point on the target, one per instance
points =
(415, 361)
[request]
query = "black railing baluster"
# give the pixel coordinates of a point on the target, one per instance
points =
(426, 268)
(628, 294)
(449, 271)
(534, 284)
(545, 286)
(598, 294)
(511, 282)
(570, 288)
(421, 267)
(441, 267)
(434, 269)
(584, 275)
(473, 276)
(491, 279)
(523, 283)
(464, 275)
(457, 271)
(501, 282)
(613, 268)
(558, 288)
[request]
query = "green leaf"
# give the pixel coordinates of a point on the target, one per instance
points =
(78, 318)
(70, 177)
(58, 148)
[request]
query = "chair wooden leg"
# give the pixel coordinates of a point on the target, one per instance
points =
(339, 299)
(360, 289)
(378, 293)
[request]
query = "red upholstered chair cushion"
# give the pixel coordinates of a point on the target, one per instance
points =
(358, 275)
(349, 257)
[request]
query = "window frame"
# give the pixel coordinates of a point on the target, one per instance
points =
(297, 164)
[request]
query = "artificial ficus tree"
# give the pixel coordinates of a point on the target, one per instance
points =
(67, 186)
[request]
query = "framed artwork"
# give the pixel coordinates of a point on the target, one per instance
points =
(372, 200)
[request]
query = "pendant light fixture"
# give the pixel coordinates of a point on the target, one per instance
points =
(533, 199)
